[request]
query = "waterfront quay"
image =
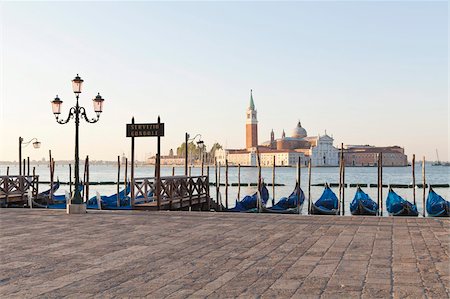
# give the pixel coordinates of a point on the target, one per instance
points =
(47, 253)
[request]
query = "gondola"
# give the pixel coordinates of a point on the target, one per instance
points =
(46, 194)
(59, 201)
(327, 204)
(110, 202)
(362, 204)
(397, 206)
(288, 205)
(436, 205)
(249, 204)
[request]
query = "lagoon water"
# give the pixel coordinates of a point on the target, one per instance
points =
(284, 175)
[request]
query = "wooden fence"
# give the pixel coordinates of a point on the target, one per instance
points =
(172, 192)
(14, 188)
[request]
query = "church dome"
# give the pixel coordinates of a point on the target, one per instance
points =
(299, 131)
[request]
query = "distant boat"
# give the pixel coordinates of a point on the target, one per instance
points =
(397, 206)
(327, 204)
(438, 162)
(362, 204)
(288, 205)
(436, 205)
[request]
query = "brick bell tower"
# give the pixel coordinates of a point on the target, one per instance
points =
(251, 125)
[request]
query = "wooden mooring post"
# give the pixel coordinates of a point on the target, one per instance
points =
(343, 182)
(299, 175)
(273, 181)
(258, 203)
(239, 182)
(70, 178)
(118, 180)
(424, 187)
(207, 184)
(414, 177)
(28, 166)
(381, 184)
(86, 182)
(132, 167)
(340, 182)
(226, 184)
(309, 186)
(126, 173)
(378, 183)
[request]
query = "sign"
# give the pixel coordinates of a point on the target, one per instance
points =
(145, 130)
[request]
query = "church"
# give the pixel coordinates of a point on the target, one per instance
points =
(284, 151)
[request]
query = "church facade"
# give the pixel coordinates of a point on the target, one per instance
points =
(284, 151)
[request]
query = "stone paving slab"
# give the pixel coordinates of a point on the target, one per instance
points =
(106, 254)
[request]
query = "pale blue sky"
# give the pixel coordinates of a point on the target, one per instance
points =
(367, 72)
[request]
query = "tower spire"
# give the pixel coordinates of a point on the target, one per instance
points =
(252, 104)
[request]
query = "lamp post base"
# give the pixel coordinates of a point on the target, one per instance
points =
(76, 208)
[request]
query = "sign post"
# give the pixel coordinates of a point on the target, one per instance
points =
(147, 130)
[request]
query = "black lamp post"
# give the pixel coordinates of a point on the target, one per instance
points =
(77, 111)
(186, 140)
(36, 144)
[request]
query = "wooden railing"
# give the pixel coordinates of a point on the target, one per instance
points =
(172, 189)
(14, 188)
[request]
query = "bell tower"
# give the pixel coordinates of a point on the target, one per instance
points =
(251, 125)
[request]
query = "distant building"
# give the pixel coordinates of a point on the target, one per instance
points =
(286, 150)
(367, 155)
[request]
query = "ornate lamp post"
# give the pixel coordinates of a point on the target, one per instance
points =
(77, 112)
(186, 149)
(36, 144)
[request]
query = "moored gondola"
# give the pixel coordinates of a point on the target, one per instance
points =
(327, 204)
(288, 205)
(362, 204)
(397, 206)
(249, 204)
(436, 205)
(110, 202)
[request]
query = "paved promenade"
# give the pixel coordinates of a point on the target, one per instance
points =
(192, 254)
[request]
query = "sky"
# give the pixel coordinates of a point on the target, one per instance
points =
(366, 72)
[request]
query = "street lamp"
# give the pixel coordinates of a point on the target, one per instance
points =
(186, 139)
(77, 111)
(36, 144)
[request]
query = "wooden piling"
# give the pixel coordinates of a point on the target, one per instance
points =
(226, 184)
(273, 181)
(208, 197)
(7, 171)
(70, 178)
(343, 186)
(118, 180)
(299, 183)
(381, 184)
(239, 182)
(24, 165)
(258, 204)
(218, 187)
(126, 173)
(378, 184)
(340, 183)
(51, 177)
(34, 171)
(309, 186)
(173, 170)
(28, 166)
(86, 182)
(424, 187)
(190, 170)
(414, 178)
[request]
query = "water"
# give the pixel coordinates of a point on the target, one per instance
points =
(284, 175)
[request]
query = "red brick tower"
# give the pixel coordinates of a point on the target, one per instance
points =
(251, 126)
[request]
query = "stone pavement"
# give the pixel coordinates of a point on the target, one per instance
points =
(220, 255)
